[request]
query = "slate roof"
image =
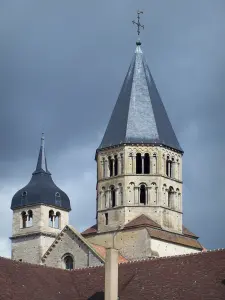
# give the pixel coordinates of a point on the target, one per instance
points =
(41, 189)
(185, 277)
(188, 238)
(139, 115)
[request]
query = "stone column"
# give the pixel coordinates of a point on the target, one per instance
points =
(133, 163)
(107, 168)
(111, 274)
(142, 163)
(136, 195)
(119, 164)
(113, 166)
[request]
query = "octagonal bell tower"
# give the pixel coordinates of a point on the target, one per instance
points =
(139, 160)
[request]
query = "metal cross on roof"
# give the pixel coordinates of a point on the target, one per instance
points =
(138, 22)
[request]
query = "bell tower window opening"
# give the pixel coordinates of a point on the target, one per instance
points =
(168, 167)
(143, 194)
(146, 164)
(115, 165)
(29, 218)
(138, 163)
(106, 219)
(57, 220)
(110, 166)
(24, 219)
(113, 196)
(51, 218)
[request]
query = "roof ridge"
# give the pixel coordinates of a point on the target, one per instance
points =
(173, 256)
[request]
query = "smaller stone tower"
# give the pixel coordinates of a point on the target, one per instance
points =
(40, 212)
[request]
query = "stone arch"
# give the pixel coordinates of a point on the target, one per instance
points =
(68, 261)
(171, 197)
(112, 196)
(110, 165)
(51, 218)
(146, 164)
(23, 219)
(29, 218)
(138, 163)
(143, 193)
(57, 223)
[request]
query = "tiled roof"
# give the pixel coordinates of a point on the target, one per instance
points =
(102, 251)
(92, 229)
(194, 276)
(187, 239)
(174, 238)
(141, 221)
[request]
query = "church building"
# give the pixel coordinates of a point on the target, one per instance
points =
(139, 190)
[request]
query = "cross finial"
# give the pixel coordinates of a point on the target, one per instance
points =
(138, 22)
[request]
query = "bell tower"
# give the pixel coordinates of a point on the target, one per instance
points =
(40, 212)
(139, 161)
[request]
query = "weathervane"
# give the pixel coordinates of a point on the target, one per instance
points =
(138, 22)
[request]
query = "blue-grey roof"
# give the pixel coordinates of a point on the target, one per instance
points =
(139, 115)
(41, 189)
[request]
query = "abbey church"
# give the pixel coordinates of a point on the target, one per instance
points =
(139, 190)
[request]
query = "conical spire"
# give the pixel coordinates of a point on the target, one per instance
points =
(42, 162)
(139, 116)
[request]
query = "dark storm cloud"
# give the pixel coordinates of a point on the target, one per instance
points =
(62, 64)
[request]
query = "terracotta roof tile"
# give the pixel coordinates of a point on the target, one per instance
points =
(102, 252)
(142, 221)
(90, 230)
(195, 276)
(174, 238)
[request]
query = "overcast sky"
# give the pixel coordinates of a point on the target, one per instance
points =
(62, 64)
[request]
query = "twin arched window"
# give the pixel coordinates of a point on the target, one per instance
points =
(143, 163)
(54, 219)
(27, 219)
(113, 165)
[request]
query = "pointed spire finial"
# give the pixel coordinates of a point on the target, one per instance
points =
(139, 25)
(42, 162)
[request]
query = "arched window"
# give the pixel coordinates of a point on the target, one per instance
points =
(29, 218)
(171, 197)
(110, 166)
(138, 163)
(68, 261)
(51, 218)
(57, 220)
(146, 164)
(106, 219)
(24, 219)
(113, 196)
(115, 165)
(142, 194)
(168, 166)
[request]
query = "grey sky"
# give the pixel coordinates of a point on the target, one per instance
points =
(62, 64)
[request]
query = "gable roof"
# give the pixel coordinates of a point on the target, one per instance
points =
(188, 238)
(141, 221)
(98, 251)
(139, 116)
(192, 276)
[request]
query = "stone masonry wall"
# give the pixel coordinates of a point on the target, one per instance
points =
(70, 244)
